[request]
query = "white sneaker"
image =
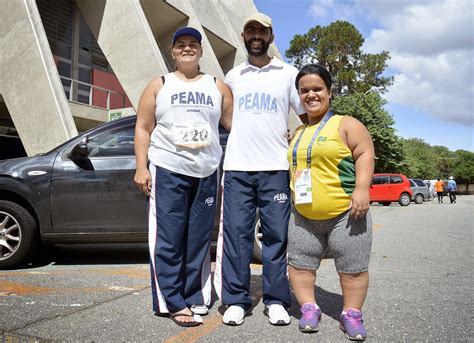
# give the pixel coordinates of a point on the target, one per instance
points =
(200, 309)
(234, 315)
(277, 315)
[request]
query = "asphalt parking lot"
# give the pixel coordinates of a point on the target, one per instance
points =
(420, 289)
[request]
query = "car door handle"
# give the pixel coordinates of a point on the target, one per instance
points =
(36, 172)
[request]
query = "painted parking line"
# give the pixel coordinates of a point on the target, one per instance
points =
(211, 323)
(8, 337)
(8, 288)
(131, 272)
(13, 288)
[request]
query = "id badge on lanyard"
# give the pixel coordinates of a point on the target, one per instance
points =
(302, 178)
(303, 189)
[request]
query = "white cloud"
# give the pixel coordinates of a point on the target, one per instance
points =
(427, 28)
(431, 44)
(441, 86)
(434, 86)
(333, 9)
(321, 8)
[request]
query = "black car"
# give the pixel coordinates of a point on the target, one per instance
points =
(80, 192)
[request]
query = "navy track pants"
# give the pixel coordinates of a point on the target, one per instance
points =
(243, 193)
(181, 217)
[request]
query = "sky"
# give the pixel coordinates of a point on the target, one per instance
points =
(431, 45)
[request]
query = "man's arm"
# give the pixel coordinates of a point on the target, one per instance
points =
(227, 105)
(295, 101)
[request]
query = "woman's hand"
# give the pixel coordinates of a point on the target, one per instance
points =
(360, 202)
(356, 136)
(143, 129)
(143, 180)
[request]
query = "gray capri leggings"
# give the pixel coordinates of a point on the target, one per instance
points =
(348, 240)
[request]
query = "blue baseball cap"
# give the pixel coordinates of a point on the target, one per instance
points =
(187, 31)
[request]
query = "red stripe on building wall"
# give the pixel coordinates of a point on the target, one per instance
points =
(108, 81)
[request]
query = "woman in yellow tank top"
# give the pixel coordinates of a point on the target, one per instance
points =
(331, 165)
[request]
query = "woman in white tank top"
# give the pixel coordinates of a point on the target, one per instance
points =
(177, 154)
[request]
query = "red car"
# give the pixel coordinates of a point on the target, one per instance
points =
(388, 188)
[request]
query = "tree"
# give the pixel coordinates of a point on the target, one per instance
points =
(432, 162)
(338, 48)
(464, 167)
(368, 108)
(445, 160)
(421, 159)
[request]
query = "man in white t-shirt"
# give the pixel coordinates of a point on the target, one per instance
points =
(256, 176)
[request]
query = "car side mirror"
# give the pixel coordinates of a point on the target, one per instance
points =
(80, 150)
(79, 155)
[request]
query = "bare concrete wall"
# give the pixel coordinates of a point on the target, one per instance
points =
(123, 34)
(30, 82)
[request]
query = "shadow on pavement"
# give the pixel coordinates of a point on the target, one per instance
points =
(90, 254)
(255, 290)
(103, 253)
(330, 304)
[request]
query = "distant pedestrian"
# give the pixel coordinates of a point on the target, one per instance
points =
(452, 190)
(439, 187)
(428, 183)
(432, 188)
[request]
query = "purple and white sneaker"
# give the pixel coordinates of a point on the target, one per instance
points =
(311, 316)
(351, 324)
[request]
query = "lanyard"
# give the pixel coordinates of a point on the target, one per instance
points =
(310, 146)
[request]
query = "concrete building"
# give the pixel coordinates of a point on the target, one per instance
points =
(69, 65)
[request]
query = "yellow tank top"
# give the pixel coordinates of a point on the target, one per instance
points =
(332, 170)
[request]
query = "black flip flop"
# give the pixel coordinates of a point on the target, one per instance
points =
(183, 324)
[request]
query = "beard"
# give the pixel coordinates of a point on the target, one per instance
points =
(257, 52)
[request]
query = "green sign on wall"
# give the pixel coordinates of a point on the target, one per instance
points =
(115, 115)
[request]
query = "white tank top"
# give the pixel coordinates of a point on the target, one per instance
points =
(186, 137)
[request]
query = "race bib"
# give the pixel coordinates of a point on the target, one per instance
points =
(192, 136)
(303, 190)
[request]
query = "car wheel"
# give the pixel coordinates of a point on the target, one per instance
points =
(385, 203)
(257, 242)
(404, 199)
(18, 235)
(419, 199)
